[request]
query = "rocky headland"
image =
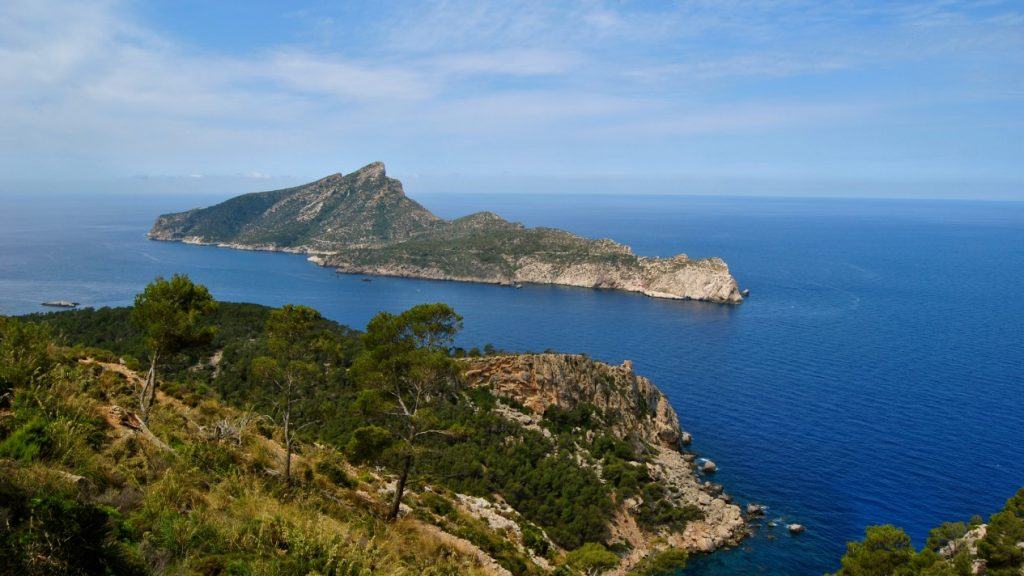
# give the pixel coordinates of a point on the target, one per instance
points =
(634, 410)
(541, 455)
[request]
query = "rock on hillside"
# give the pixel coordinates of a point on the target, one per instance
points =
(633, 409)
(538, 381)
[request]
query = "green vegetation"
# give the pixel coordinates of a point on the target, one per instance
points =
(294, 344)
(169, 312)
(533, 474)
(361, 208)
(887, 550)
(591, 559)
(406, 364)
(667, 561)
(83, 492)
(24, 354)
(1001, 547)
(493, 250)
(270, 429)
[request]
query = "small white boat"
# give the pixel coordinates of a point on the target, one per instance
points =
(61, 304)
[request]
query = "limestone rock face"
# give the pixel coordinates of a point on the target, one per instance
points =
(364, 223)
(633, 409)
(678, 278)
(568, 380)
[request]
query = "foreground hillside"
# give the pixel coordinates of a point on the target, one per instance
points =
(542, 463)
(364, 223)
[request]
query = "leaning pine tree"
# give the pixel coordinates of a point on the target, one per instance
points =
(407, 357)
(170, 313)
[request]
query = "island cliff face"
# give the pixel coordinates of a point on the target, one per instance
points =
(364, 223)
(632, 409)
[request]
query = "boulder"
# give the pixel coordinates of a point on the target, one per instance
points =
(668, 435)
(709, 467)
(713, 488)
(755, 510)
(686, 438)
(795, 528)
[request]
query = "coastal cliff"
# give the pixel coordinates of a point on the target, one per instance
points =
(364, 223)
(632, 409)
(536, 458)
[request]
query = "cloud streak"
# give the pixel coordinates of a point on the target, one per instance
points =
(98, 88)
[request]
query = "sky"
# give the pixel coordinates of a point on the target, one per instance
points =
(776, 96)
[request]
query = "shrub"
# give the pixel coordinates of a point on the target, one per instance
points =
(591, 559)
(50, 532)
(437, 504)
(534, 539)
(885, 551)
(1000, 549)
(658, 510)
(335, 472)
(367, 443)
(23, 353)
(944, 534)
(665, 562)
(28, 442)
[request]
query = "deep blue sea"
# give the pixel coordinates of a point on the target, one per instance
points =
(875, 375)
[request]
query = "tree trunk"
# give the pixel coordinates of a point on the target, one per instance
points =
(148, 392)
(288, 433)
(400, 488)
(287, 450)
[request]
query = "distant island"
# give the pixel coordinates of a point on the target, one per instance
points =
(363, 223)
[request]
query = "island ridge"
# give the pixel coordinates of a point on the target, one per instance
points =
(364, 223)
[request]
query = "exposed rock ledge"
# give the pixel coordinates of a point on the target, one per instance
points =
(641, 414)
(677, 278)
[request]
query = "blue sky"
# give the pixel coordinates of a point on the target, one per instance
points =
(876, 98)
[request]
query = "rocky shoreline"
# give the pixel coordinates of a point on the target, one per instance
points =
(643, 414)
(706, 280)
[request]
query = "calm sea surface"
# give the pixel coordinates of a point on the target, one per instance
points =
(876, 374)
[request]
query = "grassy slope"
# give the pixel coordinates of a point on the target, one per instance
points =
(490, 252)
(560, 503)
(81, 492)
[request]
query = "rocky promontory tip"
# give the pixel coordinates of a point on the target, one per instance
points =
(631, 408)
(363, 223)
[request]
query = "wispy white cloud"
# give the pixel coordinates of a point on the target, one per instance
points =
(512, 62)
(748, 118)
(92, 86)
(344, 79)
(746, 66)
